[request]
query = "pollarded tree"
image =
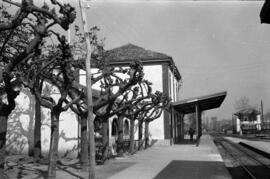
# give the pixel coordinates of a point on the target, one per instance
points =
(147, 111)
(135, 105)
(54, 67)
(18, 48)
(132, 106)
(8, 53)
(159, 102)
(113, 83)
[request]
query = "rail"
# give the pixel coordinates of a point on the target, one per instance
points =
(244, 156)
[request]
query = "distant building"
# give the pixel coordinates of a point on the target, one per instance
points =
(247, 121)
(266, 122)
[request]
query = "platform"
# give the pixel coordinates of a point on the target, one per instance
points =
(177, 161)
(261, 145)
(158, 162)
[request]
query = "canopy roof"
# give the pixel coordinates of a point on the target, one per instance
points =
(204, 102)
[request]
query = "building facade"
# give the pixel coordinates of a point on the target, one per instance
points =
(248, 121)
(158, 68)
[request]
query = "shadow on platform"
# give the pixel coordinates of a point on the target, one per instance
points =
(187, 141)
(193, 170)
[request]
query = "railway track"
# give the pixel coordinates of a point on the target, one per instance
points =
(252, 137)
(246, 163)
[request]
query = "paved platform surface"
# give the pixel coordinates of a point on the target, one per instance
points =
(261, 145)
(177, 161)
(158, 162)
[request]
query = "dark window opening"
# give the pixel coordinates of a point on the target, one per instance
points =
(114, 127)
(126, 128)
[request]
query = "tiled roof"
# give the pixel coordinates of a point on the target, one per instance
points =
(126, 53)
(132, 52)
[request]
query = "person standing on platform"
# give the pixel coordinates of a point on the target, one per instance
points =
(191, 133)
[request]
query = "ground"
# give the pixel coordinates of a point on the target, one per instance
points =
(24, 167)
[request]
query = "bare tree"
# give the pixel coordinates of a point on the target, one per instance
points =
(137, 104)
(57, 71)
(37, 129)
(242, 103)
(127, 107)
(160, 102)
(147, 111)
(112, 87)
(15, 51)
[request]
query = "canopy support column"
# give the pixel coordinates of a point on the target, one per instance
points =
(182, 126)
(198, 123)
(197, 105)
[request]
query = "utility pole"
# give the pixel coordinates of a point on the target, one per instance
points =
(262, 111)
(89, 95)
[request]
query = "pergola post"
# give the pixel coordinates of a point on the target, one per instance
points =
(171, 126)
(178, 127)
(198, 123)
(182, 125)
(197, 105)
(175, 128)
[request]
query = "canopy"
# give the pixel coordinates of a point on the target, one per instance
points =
(265, 12)
(204, 103)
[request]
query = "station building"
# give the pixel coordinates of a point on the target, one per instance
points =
(159, 68)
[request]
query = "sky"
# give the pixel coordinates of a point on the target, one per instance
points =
(216, 45)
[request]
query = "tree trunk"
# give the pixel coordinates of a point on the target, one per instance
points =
(92, 146)
(146, 134)
(84, 158)
(37, 131)
(140, 125)
(120, 140)
(3, 132)
(105, 140)
(30, 141)
(53, 155)
(131, 146)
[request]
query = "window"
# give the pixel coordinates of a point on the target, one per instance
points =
(114, 127)
(126, 128)
(97, 124)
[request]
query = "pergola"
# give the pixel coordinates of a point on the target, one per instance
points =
(197, 105)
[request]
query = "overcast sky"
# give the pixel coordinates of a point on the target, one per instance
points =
(217, 45)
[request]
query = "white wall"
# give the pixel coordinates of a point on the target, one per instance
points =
(22, 119)
(174, 87)
(82, 79)
(95, 73)
(257, 122)
(154, 73)
(21, 127)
